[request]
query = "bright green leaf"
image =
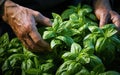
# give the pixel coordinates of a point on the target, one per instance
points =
(54, 43)
(75, 48)
(100, 44)
(69, 56)
(67, 13)
(49, 34)
(110, 73)
(68, 40)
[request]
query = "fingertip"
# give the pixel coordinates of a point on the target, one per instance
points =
(49, 49)
(48, 22)
(42, 19)
(101, 25)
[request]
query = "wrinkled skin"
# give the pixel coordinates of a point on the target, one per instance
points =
(23, 22)
(105, 14)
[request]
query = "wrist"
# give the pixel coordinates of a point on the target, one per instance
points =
(9, 6)
(9, 3)
(103, 4)
(4, 4)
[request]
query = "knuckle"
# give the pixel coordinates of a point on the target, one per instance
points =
(27, 26)
(20, 35)
(37, 13)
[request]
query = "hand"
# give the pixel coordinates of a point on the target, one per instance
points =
(23, 22)
(105, 14)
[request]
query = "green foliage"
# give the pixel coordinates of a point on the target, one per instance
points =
(79, 47)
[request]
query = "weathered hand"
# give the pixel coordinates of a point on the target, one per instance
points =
(23, 22)
(105, 14)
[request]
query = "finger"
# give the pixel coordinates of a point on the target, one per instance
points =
(24, 43)
(115, 18)
(104, 20)
(39, 41)
(31, 42)
(116, 21)
(32, 46)
(42, 19)
(27, 45)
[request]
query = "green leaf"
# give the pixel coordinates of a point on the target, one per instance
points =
(68, 40)
(26, 66)
(83, 58)
(28, 54)
(92, 17)
(83, 71)
(75, 48)
(12, 60)
(108, 54)
(72, 32)
(46, 67)
(74, 17)
(74, 67)
(49, 28)
(85, 10)
(4, 40)
(23, 65)
(63, 68)
(96, 64)
(94, 61)
(62, 27)
(90, 38)
(109, 30)
(33, 71)
(46, 74)
(2, 51)
(69, 56)
(14, 50)
(115, 40)
(89, 45)
(57, 21)
(83, 28)
(49, 34)
(14, 43)
(54, 43)
(110, 73)
(99, 68)
(57, 16)
(95, 29)
(36, 61)
(100, 44)
(29, 64)
(67, 13)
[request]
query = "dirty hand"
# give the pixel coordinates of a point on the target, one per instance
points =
(23, 22)
(105, 14)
